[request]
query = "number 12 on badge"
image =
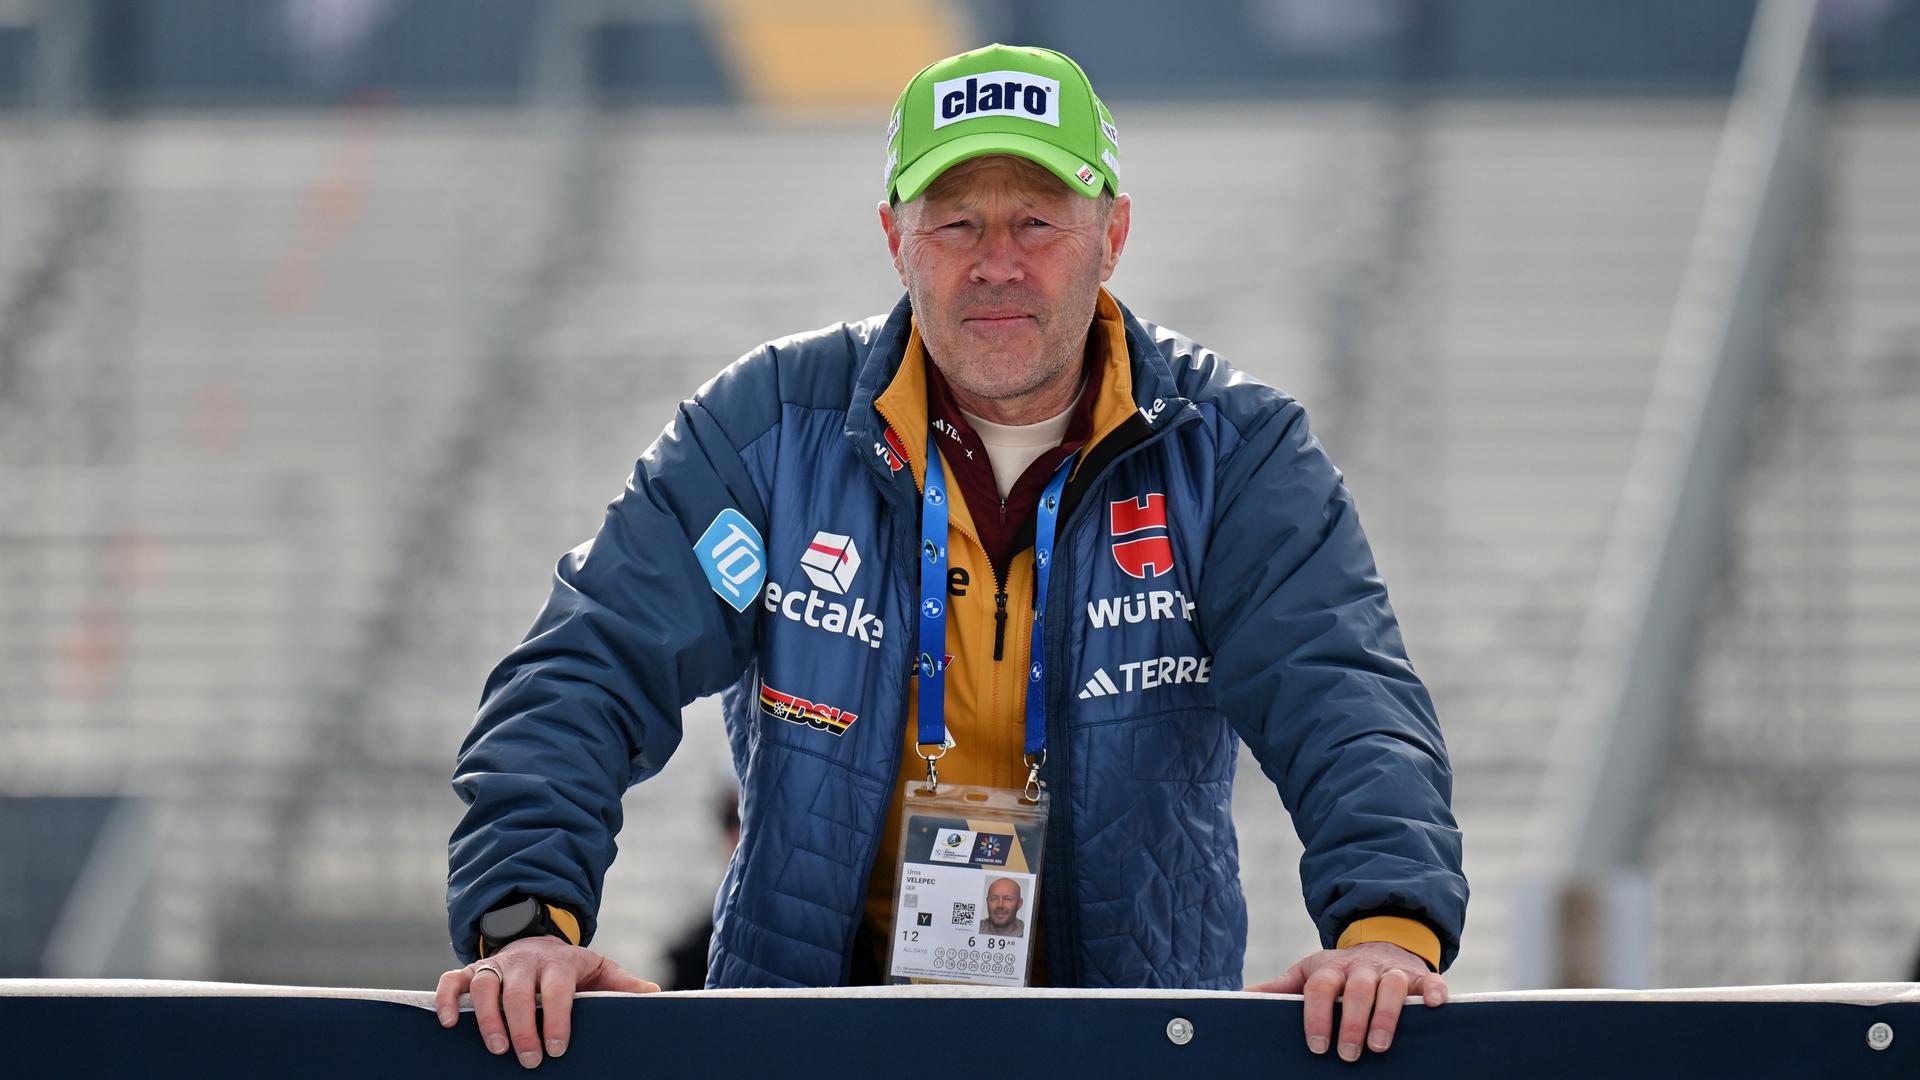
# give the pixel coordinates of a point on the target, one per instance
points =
(968, 886)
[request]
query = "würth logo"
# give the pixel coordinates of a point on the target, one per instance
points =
(1151, 553)
(894, 451)
(831, 561)
(996, 93)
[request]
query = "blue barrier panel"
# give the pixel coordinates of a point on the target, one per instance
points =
(57, 1029)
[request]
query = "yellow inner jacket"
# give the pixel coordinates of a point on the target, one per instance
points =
(986, 698)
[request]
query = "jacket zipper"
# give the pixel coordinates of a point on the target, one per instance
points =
(1063, 942)
(999, 619)
(999, 600)
(999, 624)
(909, 561)
(1063, 930)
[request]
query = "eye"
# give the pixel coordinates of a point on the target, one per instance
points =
(1037, 223)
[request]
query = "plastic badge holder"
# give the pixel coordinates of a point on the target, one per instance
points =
(967, 886)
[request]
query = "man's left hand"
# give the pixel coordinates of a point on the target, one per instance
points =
(1371, 980)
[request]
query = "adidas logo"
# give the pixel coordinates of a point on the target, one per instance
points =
(1148, 674)
(1101, 685)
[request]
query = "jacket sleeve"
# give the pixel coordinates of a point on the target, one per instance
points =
(1310, 668)
(590, 703)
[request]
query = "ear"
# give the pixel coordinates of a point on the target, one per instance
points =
(890, 224)
(1119, 220)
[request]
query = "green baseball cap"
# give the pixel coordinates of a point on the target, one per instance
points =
(1002, 99)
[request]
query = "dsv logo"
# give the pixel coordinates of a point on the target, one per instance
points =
(997, 93)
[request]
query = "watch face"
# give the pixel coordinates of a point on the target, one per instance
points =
(510, 920)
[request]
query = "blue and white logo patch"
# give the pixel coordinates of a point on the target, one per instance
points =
(731, 553)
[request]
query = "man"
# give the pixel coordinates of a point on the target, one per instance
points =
(1003, 909)
(848, 534)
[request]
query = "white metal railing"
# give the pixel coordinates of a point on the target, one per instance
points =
(1634, 653)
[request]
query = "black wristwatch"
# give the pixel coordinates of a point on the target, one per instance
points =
(526, 917)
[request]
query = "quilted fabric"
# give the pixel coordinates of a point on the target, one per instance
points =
(1212, 586)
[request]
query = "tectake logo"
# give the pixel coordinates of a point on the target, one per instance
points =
(996, 93)
(1150, 552)
(831, 561)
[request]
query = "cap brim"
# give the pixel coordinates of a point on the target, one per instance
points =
(915, 177)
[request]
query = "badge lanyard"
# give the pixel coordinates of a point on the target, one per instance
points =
(932, 665)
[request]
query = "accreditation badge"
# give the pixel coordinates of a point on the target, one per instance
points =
(968, 892)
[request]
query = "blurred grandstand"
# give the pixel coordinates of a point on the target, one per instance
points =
(326, 326)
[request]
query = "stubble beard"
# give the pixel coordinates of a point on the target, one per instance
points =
(1001, 377)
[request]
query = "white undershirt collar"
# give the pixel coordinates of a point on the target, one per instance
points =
(1012, 447)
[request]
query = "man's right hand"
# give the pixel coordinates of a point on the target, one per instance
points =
(504, 1007)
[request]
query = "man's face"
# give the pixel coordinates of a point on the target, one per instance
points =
(1003, 264)
(1003, 903)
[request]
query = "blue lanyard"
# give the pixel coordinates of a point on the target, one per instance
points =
(933, 605)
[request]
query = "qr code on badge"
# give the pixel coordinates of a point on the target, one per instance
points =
(962, 914)
(912, 899)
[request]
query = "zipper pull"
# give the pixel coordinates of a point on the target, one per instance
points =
(1000, 623)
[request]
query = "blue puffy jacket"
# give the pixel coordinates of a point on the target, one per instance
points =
(1142, 884)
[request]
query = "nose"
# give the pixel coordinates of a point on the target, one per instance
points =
(999, 258)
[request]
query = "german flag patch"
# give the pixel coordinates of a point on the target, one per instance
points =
(798, 710)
